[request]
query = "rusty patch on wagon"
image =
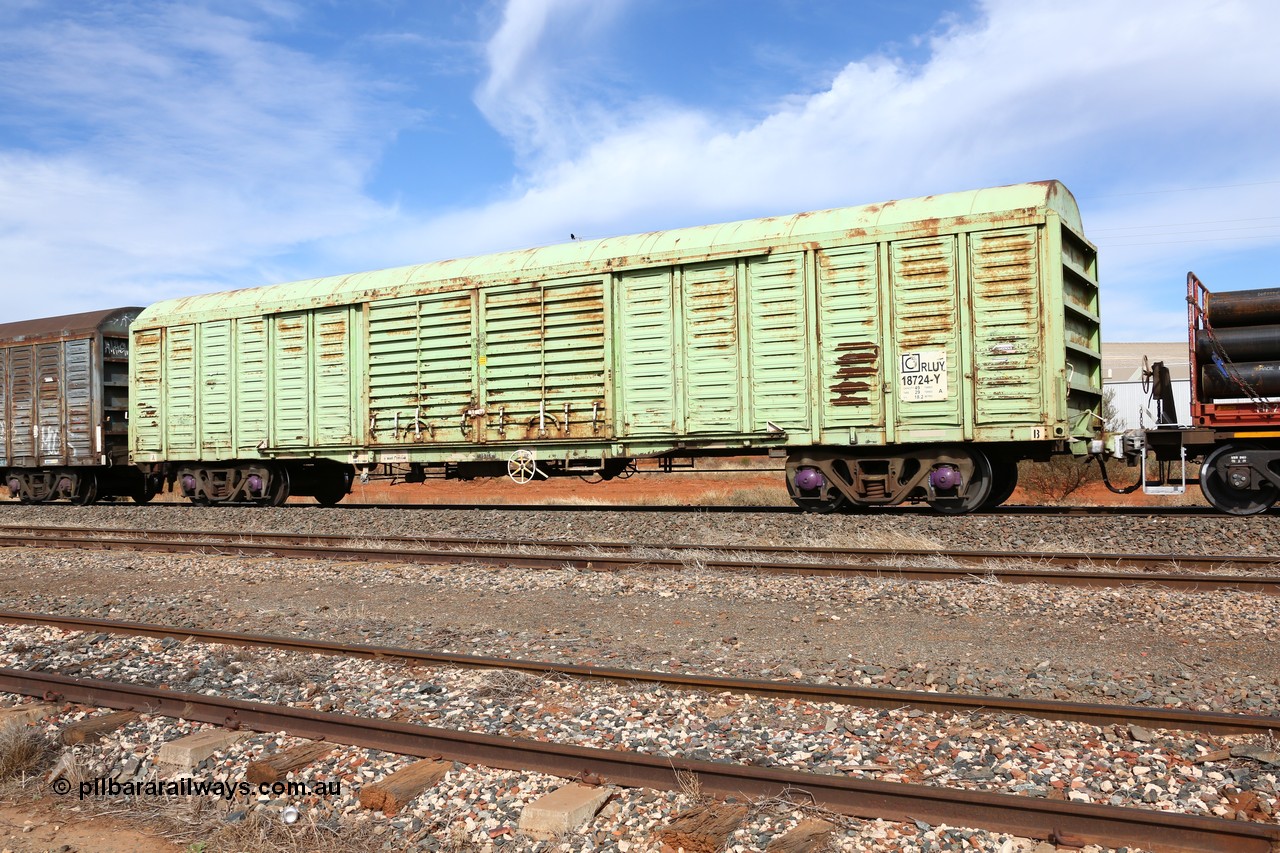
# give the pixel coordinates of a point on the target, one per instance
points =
(857, 365)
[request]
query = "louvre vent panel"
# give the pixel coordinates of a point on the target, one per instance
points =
(851, 338)
(778, 335)
(711, 364)
(1008, 326)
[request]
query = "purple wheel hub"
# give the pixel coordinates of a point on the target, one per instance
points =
(810, 478)
(255, 484)
(14, 485)
(945, 478)
(188, 484)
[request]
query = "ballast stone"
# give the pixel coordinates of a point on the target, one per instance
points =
(562, 811)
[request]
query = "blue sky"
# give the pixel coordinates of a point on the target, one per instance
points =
(154, 149)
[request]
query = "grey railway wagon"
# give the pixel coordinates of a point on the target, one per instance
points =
(64, 401)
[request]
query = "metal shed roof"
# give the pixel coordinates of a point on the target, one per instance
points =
(68, 326)
(1013, 204)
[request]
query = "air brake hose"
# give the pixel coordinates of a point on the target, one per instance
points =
(1102, 464)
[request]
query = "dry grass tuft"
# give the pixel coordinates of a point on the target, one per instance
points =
(1055, 479)
(289, 674)
(868, 536)
(260, 833)
(690, 785)
(459, 840)
(198, 823)
(509, 684)
(744, 496)
(23, 751)
(799, 801)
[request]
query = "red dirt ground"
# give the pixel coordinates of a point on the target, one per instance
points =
(763, 488)
(51, 825)
(714, 487)
(657, 489)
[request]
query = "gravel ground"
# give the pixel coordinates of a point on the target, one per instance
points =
(1009, 754)
(481, 808)
(477, 809)
(1140, 534)
(1139, 646)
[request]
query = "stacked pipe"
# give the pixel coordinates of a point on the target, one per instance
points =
(1246, 325)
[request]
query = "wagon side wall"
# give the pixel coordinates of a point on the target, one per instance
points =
(52, 403)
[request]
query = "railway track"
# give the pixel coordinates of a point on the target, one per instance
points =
(1212, 722)
(1104, 570)
(1058, 821)
(1005, 510)
(968, 557)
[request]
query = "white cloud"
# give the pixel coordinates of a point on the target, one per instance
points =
(171, 148)
(1105, 96)
(164, 149)
(542, 89)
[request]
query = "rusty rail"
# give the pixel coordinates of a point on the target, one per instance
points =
(283, 545)
(1213, 722)
(1027, 816)
(965, 556)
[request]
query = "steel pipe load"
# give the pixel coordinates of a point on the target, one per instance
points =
(1243, 343)
(1263, 377)
(1243, 307)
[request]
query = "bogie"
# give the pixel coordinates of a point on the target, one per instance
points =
(260, 483)
(257, 483)
(1241, 479)
(951, 479)
(82, 486)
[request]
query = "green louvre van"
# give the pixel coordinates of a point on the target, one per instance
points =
(910, 350)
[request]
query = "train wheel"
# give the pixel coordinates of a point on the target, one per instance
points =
(813, 499)
(333, 491)
(331, 496)
(1004, 479)
(279, 488)
(1219, 491)
(609, 469)
(978, 489)
(87, 490)
(146, 492)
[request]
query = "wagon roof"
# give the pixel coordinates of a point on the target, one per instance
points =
(68, 326)
(1015, 204)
